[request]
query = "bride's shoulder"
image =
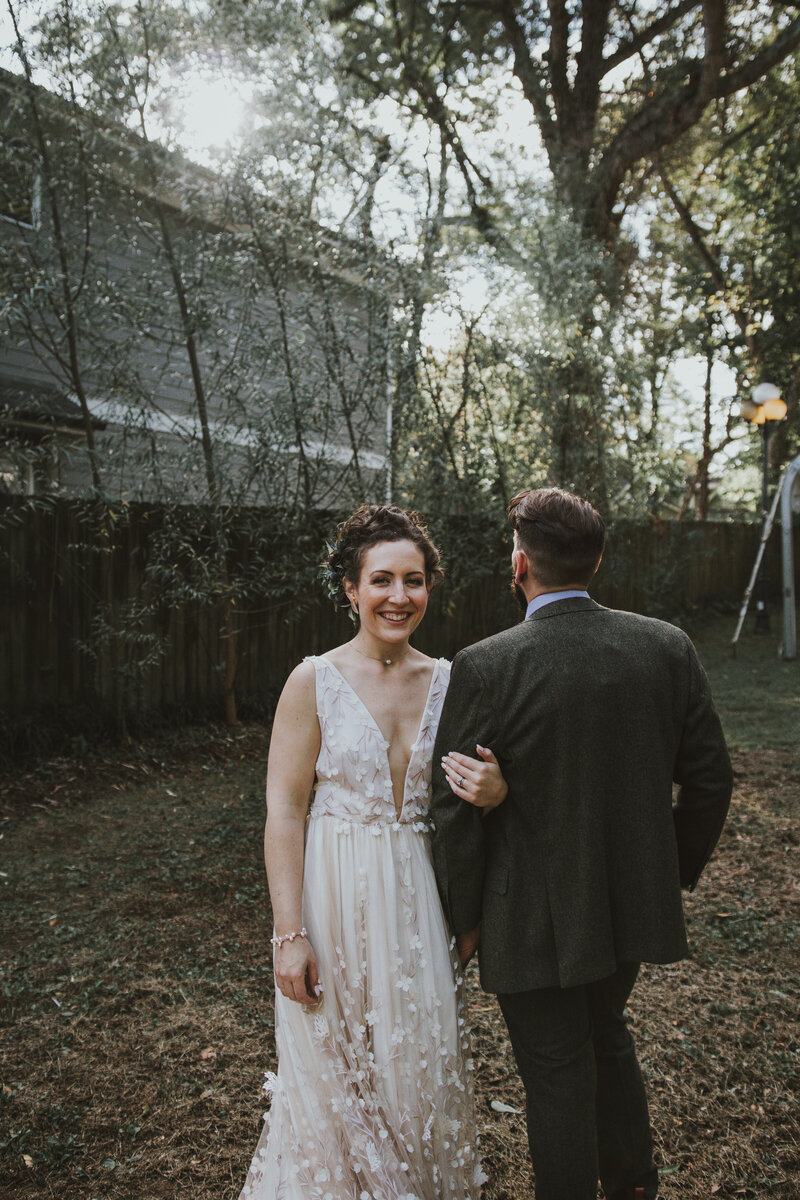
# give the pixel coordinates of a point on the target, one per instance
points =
(317, 662)
(302, 678)
(298, 699)
(436, 666)
(442, 663)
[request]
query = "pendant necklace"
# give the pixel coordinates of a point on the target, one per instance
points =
(387, 662)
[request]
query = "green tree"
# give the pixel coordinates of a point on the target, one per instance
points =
(729, 226)
(609, 86)
(613, 90)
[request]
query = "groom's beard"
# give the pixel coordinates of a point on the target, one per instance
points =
(519, 595)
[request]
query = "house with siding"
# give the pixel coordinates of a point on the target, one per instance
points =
(168, 335)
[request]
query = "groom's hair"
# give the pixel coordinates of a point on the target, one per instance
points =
(562, 534)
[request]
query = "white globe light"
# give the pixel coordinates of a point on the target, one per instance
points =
(765, 392)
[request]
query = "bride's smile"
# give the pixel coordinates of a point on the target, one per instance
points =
(390, 597)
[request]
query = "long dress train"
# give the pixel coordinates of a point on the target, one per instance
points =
(373, 1098)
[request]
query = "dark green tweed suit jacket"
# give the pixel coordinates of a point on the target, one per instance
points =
(593, 714)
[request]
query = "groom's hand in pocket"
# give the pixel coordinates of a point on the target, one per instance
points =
(467, 944)
(296, 971)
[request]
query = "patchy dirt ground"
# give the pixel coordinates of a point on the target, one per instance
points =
(137, 993)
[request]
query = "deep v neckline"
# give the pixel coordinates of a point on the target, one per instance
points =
(382, 735)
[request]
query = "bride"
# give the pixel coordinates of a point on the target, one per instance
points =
(373, 1099)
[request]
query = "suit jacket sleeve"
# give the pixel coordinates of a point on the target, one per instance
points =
(458, 835)
(703, 771)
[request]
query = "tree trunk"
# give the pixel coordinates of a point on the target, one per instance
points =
(190, 342)
(102, 526)
(705, 459)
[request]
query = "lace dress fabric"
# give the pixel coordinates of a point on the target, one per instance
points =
(373, 1098)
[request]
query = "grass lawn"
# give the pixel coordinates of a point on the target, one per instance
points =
(757, 693)
(137, 991)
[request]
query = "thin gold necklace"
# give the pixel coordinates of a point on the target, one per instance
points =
(387, 662)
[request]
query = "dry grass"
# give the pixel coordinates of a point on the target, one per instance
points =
(137, 998)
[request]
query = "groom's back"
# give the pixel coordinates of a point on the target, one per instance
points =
(588, 695)
(591, 712)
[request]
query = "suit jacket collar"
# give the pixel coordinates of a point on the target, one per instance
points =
(560, 607)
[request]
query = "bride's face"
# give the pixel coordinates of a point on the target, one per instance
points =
(392, 593)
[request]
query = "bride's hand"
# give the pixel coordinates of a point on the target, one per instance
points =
(296, 971)
(478, 782)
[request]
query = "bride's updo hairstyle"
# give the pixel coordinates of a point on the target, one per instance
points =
(369, 526)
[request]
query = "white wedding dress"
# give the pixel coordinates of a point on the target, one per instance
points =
(373, 1099)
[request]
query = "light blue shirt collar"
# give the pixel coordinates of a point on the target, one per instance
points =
(550, 598)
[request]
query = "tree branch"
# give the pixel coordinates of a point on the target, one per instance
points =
(69, 320)
(557, 54)
(639, 41)
(763, 62)
(668, 114)
(529, 73)
(714, 56)
(712, 265)
(435, 110)
(589, 64)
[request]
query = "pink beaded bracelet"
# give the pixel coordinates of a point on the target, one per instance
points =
(278, 940)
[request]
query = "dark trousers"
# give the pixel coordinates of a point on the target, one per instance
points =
(586, 1103)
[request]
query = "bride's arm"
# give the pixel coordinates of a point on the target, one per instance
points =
(479, 781)
(294, 747)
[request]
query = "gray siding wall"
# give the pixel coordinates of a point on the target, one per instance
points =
(136, 370)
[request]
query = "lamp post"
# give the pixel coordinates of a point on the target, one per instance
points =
(765, 409)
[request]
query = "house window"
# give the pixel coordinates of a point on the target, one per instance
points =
(20, 184)
(16, 478)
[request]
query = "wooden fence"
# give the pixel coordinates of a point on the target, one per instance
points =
(57, 669)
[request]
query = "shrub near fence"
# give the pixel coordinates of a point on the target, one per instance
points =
(56, 671)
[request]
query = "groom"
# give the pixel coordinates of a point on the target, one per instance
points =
(576, 878)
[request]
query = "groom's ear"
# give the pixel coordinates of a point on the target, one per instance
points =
(521, 565)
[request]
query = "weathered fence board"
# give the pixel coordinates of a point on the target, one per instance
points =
(52, 581)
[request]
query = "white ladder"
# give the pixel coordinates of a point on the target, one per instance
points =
(765, 532)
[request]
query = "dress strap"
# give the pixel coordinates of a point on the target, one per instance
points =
(318, 660)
